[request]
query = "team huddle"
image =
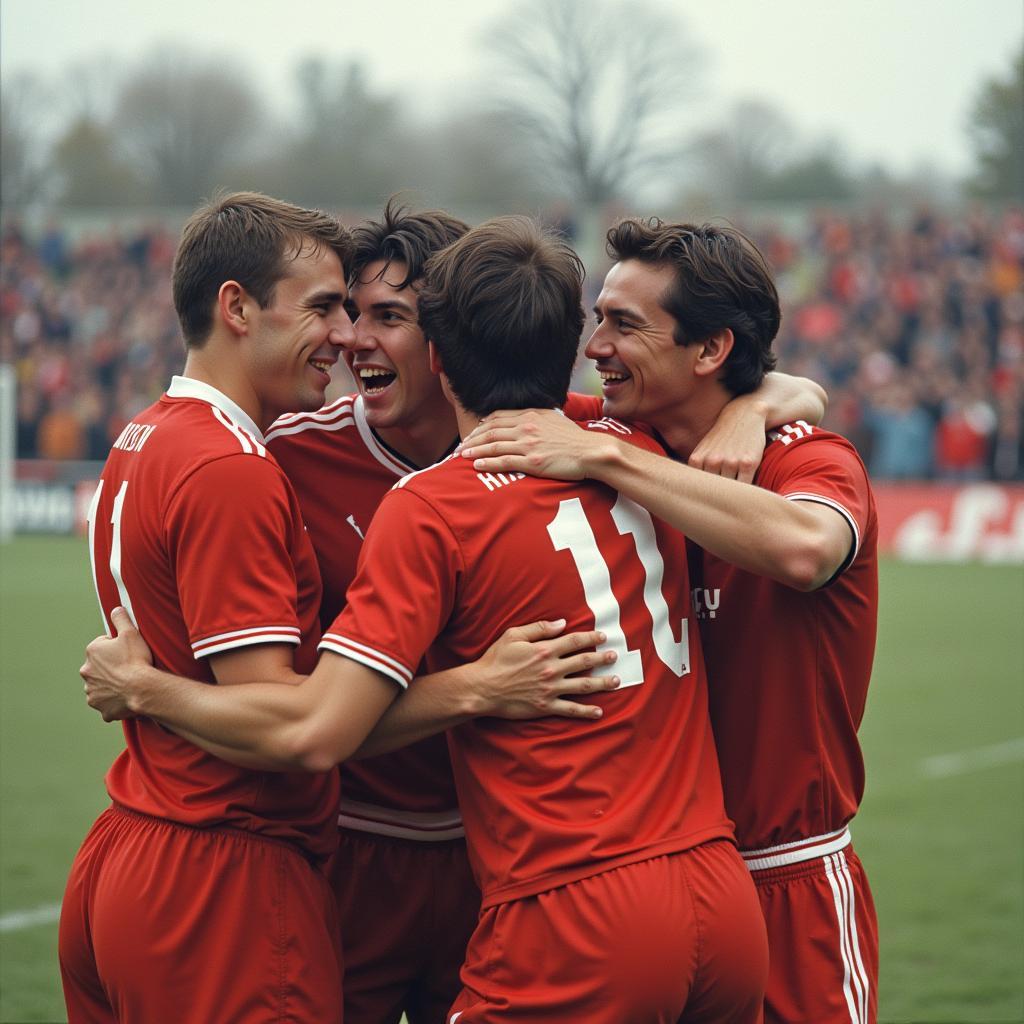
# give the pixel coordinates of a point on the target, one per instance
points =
(594, 702)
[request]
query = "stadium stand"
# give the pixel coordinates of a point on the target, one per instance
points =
(915, 326)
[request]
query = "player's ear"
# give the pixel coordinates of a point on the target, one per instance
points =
(714, 351)
(435, 359)
(233, 307)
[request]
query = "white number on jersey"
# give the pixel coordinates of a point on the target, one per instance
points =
(115, 551)
(571, 531)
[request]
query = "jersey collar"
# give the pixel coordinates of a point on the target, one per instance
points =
(189, 387)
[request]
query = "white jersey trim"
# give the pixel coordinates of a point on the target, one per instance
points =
(426, 469)
(422, 826)
(797, 851)
(841, 509)
(189, 387)
(243, 637)
(367, 656)
(249, 443)
(335, 416)
(373, 446)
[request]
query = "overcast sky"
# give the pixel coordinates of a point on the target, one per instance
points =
(893, 80)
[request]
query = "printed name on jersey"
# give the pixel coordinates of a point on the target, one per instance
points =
(790, 432)
(705, 602)
(492, 481)
(134, 436)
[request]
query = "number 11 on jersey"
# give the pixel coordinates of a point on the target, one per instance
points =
(571, 531)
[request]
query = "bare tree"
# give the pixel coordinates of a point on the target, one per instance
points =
(23, 167)
(594, 89)
(737, 158)
(185, 118)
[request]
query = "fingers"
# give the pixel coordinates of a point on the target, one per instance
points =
(585, 662)
(491, 445)
(573, 642)
(740, 467)
(534, 631)
(501, 420)
(747, 471)
(571, 709)
(121, 621)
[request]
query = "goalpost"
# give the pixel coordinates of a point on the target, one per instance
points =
(8, 426)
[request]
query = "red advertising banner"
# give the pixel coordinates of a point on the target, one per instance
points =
(921, 522)
(951, 522)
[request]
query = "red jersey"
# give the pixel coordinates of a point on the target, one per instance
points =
(195, 531)
(455, 557)
(341, 470)
(788, 670)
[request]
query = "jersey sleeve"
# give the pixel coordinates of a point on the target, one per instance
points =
(582, 407)
(631, 433)
(404, 590)
(229, 529)
(822, 468)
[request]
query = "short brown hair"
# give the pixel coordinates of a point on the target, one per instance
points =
(721, 280)
(403, 237)
(504, 307)
(245, 237)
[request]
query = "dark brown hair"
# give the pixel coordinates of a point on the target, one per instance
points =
(504, 307)
(249, 238)
(721, 280)
(403, 237)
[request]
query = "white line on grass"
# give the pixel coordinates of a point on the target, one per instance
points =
(20, 919)
(943, 766)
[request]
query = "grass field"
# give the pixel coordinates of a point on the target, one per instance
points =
(942, 837)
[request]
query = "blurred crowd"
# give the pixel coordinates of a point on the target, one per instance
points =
(915, 326)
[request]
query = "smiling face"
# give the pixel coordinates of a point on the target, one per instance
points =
(388, 354)
(645, 374)
(295, 339)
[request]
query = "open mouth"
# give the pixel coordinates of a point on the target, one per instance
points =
(373, 380)
(609, 378)
(323, 365)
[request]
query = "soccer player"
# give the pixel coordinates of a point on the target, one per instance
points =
(407, 902)
(611, 887)
(788, 598)
(197, 895)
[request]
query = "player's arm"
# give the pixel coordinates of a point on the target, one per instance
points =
(800, 544)
(287, 723)
(734, 446)
(529, 672)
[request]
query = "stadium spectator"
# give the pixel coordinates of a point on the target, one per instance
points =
(949, 284)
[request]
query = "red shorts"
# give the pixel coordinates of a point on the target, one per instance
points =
(163, 923)
(406, 909)
(673, 938)
(823, 938)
